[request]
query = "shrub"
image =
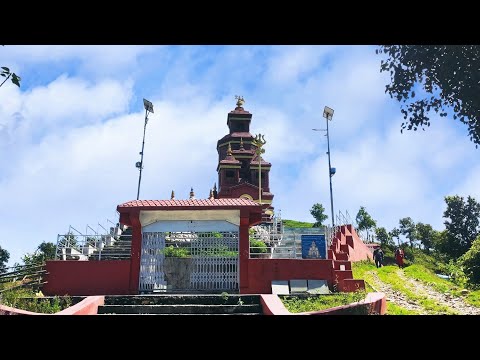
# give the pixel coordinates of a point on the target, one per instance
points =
(471, 262)
(257, 246)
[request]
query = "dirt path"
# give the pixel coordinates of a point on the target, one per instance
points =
(394, 296)
(456, 304)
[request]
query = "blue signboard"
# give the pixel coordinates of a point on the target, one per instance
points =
(314, 246)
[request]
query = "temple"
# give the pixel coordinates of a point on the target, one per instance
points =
(240, 164)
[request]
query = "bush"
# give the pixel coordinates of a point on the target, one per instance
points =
(179, 252)
(470, 262)
(257, 247)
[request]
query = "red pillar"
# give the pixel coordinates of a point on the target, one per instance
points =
(244, 249)
(135, 252)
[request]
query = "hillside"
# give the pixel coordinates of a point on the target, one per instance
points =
(296, 224)
(416, 290)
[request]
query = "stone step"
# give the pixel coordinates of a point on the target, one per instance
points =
(183, 299)
(179, 309)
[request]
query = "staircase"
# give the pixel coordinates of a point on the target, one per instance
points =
(182, 304)
(120, 250)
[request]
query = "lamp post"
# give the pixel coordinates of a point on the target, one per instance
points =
(328, 114)
(148, 109)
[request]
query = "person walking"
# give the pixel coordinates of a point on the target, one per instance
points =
(399, 256)
(378, 257)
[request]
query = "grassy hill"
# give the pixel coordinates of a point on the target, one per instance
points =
(296, 224)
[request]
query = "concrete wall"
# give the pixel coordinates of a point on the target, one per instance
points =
(261, 272)
(88, 306)
(109, 277)
(374, 304)
(347, 246)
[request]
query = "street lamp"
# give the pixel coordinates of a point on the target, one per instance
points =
(148, 109)
(328, 114)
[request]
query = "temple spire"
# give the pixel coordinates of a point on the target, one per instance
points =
(240, 101)
(172, 196)
(241, 143)
(211, 197)
(229, 150)
(192, 194)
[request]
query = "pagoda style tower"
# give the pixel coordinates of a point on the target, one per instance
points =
(238, 164)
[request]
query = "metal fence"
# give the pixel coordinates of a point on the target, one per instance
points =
(23, 276)
(93, 247)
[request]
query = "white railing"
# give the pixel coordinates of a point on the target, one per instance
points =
(92, 247)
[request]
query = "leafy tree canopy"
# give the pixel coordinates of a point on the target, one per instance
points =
(4, 256)
(318, 212)
(449, 76)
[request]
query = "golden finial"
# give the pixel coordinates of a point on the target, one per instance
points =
(229, 150)
(172, 196)
(259, 141)
(192, 194)
(211, 197)
(241, 143)
(240, 100)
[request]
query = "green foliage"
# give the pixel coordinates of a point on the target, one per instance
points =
(296, 224)
(447, 76)
(7, 74)
(407, 228)
(425, 234)
(257, 246)
(4, 256)
(178, 252)
(384, 237)
(45, 251)
(297, 304)
(318, 212)
(26, 299)
(454, 269)
(462, 224)
(68, 240)
(471, 262)
(395, 234)
(364, 220)
(224, 296)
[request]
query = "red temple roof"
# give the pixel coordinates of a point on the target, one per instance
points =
(191, 202)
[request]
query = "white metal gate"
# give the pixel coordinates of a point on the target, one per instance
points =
(152, 258)
(212, 257)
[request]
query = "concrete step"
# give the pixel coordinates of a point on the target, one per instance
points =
(183, 299)
(179, 309)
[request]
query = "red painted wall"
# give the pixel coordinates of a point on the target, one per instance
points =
(261, 272)
(348, 246)
(87, 277)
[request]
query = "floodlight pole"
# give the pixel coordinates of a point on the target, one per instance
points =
(141, 159)
(330, 175)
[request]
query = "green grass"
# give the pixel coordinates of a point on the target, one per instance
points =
(387, 274)
(25, 299)
(296, 304)
(394, 309)
(296, 224)
(421, 273)
(473, 298)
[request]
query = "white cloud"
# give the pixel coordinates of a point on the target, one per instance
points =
(68, 148)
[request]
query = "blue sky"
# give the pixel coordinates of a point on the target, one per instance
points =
(70, 136)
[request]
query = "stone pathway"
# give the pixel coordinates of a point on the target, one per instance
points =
(457, 304)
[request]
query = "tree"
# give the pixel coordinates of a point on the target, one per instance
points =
(317, 212)
(384, 237)
(462, 224)
(425, 235)
(7, 74)
(448, 76)
(4, 256)
(407, 228)
(395, 233)
(364, 220)
(45, 251)
(471, 262)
